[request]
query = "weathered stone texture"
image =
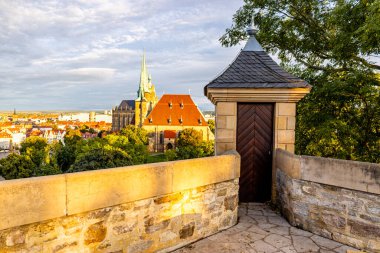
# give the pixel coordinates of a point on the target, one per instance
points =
(347, 216)
(150, 225)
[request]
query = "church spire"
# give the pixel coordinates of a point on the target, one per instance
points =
(252, 44)
(143, 80)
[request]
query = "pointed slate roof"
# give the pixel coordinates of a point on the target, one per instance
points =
(127, 105)
(254, 68)
(143, 80)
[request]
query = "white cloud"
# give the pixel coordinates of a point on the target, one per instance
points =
(78, 54)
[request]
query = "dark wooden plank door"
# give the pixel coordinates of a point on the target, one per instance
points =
(254, 144)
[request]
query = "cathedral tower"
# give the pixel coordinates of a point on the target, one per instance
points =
(146, 95)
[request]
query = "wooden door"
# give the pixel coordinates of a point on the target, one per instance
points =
(254, 144)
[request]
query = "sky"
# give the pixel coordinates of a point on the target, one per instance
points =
(86, 55)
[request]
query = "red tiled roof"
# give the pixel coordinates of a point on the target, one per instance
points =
(6, 123)
(5, 135)
(14, 129)
(170, 134)
(34, 133)
(175, 110)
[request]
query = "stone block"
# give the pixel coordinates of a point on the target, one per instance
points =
(230, 146)
(286, 136)
(223, 147)
(281, 123)
(231, 202)
(359, 176)
(226, 108)
(225, 135)
(221, 122)
(220, 148)
(366, 230)
(29, 200)
(286, 109)
(95, 233)
(290, 148)
(92, 190)
(187, 231)
(231, 122)
(205, 171)
(291, 123)
(289, 163)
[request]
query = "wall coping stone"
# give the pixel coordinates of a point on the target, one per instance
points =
(354, 175)
(30, 200)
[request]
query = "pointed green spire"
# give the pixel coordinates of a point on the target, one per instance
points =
(143, 79)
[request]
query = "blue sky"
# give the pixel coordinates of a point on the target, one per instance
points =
(85, 55)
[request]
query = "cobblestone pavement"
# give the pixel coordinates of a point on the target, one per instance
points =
(262, 230)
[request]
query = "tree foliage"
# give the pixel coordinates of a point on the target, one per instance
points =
(329, 44)
(211, 125)
(36, 148)
(190, 144)
(38, 158)
(16, 166)
(101, 158)
(135, 135)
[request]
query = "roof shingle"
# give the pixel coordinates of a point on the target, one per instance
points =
(175, 110)
(255, 69)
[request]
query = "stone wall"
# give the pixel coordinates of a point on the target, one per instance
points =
(225, 127)
(147, 208)
(334, 198)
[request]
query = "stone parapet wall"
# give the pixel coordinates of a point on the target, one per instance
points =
(225, 127)
(333, 198)
(147, 208)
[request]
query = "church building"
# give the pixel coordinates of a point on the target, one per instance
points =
(172, 114)
(134, 112)
(163, 119)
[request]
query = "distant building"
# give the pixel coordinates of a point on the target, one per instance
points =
(172, 114)
(134, 112)
(5, 140)
(123, 115)
(92, 117)
(82, 117)
(163, 119)
(103, 117)
(54, 135)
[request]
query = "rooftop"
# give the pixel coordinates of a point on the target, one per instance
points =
(254, 68)
(175, 110)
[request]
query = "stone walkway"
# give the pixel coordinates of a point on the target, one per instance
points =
(262, 230)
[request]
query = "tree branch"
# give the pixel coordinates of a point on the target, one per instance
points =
(366, 63)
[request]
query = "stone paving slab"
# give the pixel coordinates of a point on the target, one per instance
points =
(260, 229)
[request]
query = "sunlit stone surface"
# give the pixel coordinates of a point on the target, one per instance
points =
(260, 229)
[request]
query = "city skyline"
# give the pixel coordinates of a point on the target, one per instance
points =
(81, 56)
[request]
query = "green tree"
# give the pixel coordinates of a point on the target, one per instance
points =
(137, 151)
(84, 129)
(211, 125)
(190, 144)
(16, 166)
(97, 153)
(65, 155)
(327, 43)
(47, 169)
(36, 148)
(72, 136)
(135, 135)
